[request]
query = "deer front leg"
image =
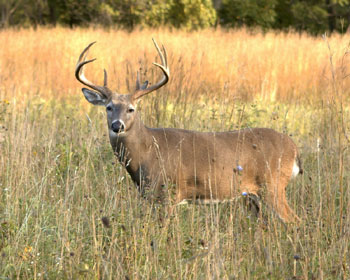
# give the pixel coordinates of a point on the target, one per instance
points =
(276, 198)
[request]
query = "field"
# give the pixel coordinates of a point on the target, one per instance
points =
(68, 210)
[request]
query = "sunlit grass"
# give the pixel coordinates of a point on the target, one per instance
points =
(272, 65)
(68, 210)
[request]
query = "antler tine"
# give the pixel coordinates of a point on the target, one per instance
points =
(159, 51)
(165, 55)
(166, 74)
(138, 85)
(105, 79)
(79, 73)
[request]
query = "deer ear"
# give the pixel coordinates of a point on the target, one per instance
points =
(94, 97)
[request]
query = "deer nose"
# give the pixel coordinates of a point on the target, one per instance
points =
(118, 126)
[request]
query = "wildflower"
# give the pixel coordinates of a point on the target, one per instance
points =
(244, 193)
(26, 255)
(296, 257)
(28, 249)
(238, 169)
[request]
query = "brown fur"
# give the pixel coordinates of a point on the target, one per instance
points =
(203, 166)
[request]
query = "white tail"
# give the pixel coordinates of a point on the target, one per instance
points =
(204, 166)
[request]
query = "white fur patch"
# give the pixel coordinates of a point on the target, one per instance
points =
(122, 122)
(112, 134)
(296, 169)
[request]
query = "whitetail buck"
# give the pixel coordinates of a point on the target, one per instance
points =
(204, 166)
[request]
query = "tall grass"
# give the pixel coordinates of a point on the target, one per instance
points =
(275, 66)
(68, 210)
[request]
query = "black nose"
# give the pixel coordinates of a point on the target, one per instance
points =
(118, 126)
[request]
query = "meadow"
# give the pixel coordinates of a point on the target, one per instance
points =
(68, 210)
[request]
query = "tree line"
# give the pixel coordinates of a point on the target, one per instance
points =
(314, 16)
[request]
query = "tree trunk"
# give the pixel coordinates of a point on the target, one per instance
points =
(52, 11)
(217, 4)
(8, 8)
(331, 16)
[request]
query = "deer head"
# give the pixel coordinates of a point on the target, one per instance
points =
(121, 108)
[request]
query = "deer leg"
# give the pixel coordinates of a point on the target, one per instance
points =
(250, 190)
(254, 204)
(276, 198)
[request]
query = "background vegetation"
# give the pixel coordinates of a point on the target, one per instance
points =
(68, 210)
(314, 16)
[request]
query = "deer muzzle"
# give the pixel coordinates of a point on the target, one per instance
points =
(118, 126)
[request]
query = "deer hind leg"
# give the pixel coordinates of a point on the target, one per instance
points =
(254, 205)
(249, 190)
(276, 198)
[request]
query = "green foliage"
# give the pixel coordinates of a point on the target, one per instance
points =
(75, 13)
(284, 16)
(341, 15)
(310, 15)
(155, 13)
(303, 15)
(249, 13)
(130, 12)
(192, 14)
(107, 15)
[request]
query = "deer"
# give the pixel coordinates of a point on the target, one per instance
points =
(200, 167)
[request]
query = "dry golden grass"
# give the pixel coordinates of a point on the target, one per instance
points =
(273, 65)
(68, 210)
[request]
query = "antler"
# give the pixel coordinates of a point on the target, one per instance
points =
(79, 73)
(143, 90)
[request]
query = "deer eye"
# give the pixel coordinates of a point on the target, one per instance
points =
(109, 108)
(131, 110)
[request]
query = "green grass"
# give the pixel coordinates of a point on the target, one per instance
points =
(68, 210)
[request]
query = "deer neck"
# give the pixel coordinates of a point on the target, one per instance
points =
(131, 146)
